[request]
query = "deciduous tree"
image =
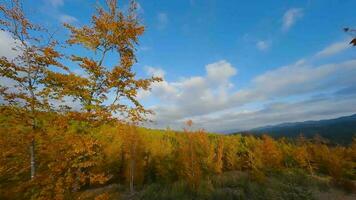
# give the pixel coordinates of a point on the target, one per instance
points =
(25, 76)
(105, 90)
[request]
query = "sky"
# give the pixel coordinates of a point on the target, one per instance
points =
(233, 65)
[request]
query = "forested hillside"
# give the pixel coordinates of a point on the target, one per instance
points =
(75, 156)
(67, 135)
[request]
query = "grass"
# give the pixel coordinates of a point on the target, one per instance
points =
(283, 185)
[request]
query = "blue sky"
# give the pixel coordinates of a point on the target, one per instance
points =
(235, 64)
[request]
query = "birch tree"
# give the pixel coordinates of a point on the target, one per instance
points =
(23, 86)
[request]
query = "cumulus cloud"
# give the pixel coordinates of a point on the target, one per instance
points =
(290, 17)
(220, 71)
(196, 94)
(162, 90)
(7, 43)
(156, 72)
(271, 97)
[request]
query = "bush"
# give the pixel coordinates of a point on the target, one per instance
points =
(293, 185)
(227, 194)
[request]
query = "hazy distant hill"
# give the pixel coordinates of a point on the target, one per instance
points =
(339, 130)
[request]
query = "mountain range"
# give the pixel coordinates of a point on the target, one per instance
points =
(339, 130)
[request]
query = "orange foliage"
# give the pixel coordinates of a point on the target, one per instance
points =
(193, 149)
(273, 156)
(72, 150)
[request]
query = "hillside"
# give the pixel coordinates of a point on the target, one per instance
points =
(113, 100)
(139, 163)
(338, 130)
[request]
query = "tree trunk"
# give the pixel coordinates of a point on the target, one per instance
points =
(132, 161)
(310, 167)
(132, 175)
(33, 161)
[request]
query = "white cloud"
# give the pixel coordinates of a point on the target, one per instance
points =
(162, 90)
(143, 94)
(213, 103)
(199, 88)
(220, 71)
(262, 45)
(281, 112)
(298, 79)
(67, 19)
(162, 19)
(290, 17)
(7, 43)
(333, 49)
(156, 72)
(195, 95)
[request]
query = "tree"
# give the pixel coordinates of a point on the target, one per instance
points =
(133, 154)
(230, 153)
(26, 74)
(104, 89)
(302, 155)
(216, 154)
(106, 92)
(193, 156)
(254, 156)
(272, 156)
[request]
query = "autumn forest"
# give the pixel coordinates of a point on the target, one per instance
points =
(99, 149)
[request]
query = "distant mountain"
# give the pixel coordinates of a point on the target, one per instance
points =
(340, 130)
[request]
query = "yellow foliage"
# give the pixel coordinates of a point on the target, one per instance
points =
(104, 196)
